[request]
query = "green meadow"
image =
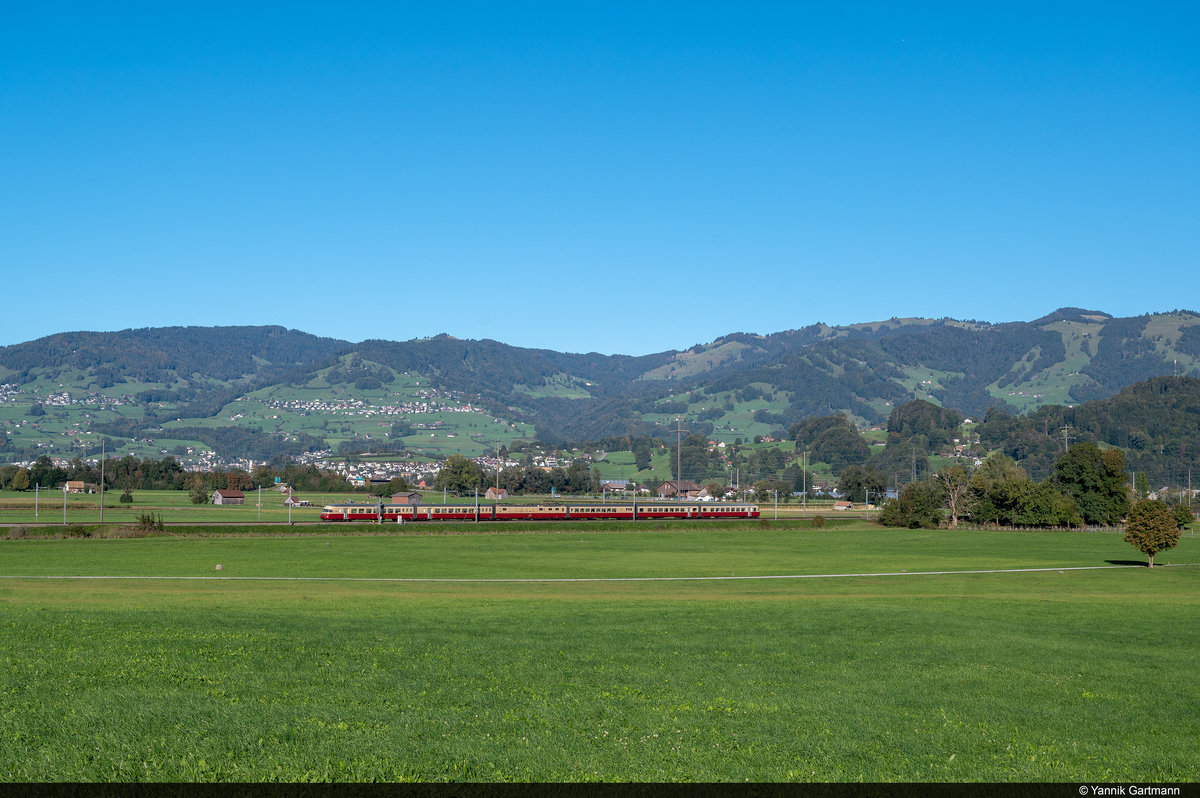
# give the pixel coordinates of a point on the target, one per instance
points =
(397, 658)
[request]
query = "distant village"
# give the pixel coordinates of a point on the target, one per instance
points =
(361, 470)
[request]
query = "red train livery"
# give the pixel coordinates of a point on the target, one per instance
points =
(535, 512)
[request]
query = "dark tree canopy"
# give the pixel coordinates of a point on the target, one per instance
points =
(459, 475)
(805, 432)
(936, 426)
(862, 482)
(918, 506)
(1096, 479)
(841, 447)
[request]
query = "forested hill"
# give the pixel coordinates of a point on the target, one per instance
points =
(165, 354)
(1156, 422)
(740, 385)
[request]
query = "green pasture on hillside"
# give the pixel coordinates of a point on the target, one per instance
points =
(301, 660)
(273, 410)
(735, 423)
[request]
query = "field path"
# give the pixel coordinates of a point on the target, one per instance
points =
(582, 579)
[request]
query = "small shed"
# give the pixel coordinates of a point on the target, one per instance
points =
(228, 497)
(496, 494)
(406, 497)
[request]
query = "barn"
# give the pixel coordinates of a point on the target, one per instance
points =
(228, 497)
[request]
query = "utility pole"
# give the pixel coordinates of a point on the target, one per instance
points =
(804, 478)
(260, 502)
(1066, 437)
(37, 487)
(102, 480)
(678, 451)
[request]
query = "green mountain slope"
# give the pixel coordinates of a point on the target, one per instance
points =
(258, 391)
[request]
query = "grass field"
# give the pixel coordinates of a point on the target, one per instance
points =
(1049, 675)
(175, 507)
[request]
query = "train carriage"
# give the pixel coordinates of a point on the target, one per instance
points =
(729, 511)
(530, 512)
(603, 512)
(676, 511)
(350, 512)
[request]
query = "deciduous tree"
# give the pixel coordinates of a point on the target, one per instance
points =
(1096, 479)
(956, 491)
(918, 506)
(860, 483)
(998, 490)
(1151, 528)
(459, 475)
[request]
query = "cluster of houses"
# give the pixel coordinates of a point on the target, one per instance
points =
(12, 393)
(357, 407)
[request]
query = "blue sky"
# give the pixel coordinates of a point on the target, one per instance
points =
(593, 176)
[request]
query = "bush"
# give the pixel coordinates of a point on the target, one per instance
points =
(817, 522)
(148, 523)
(17, 533)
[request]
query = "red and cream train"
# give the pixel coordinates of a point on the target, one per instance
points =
(403, 513)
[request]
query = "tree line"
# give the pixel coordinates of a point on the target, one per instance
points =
(131, 473)
(1088, 486)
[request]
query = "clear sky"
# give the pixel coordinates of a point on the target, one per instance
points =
(593, 176)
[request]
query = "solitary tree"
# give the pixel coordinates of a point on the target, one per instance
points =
(198, 493)
(956, 488)
(1151, 528)
(459, 475)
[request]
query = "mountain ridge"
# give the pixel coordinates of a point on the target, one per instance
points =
(146, 380)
